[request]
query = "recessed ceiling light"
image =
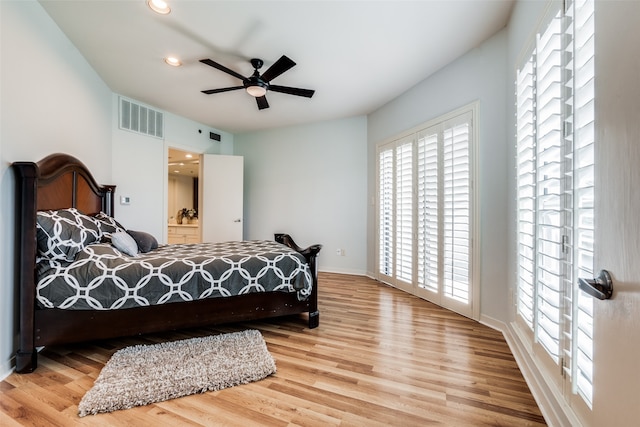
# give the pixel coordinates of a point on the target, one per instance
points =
(188, 156)
(173, 61)
(159, 6)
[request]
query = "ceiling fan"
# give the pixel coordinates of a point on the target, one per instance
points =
(258, 84)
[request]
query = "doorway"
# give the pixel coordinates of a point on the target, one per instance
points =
(183, 170)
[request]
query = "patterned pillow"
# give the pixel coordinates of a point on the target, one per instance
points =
(108, 226)
(63, 233)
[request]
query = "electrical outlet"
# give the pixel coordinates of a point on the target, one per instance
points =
(340, 252)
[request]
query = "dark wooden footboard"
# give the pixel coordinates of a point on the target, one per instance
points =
(57, 326)
(311, 254)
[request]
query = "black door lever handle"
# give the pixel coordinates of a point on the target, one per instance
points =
(600, 287)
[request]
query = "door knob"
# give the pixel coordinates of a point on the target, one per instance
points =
(600, 287)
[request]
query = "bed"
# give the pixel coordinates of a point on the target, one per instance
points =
(61, 186)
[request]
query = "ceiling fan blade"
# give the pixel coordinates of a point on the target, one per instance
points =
(222, 68)
(262, 102)
(280, 66)
(308, 93)
(224, 89)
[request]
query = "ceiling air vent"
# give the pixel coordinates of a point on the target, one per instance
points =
(141, 119)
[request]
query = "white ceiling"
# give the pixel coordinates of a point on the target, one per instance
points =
(357, 55)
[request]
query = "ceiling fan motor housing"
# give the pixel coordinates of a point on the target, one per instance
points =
(257, 63)
(255, 79)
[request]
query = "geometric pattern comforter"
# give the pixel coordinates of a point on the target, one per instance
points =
(103, 278)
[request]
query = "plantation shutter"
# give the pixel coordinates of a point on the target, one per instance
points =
(582, 137)
(526, 187)
(555, 191)
(386, 203)
(549, 203)
(425, 211)
(457, 208)
(429, 210)
(444, 208)
(404, 210)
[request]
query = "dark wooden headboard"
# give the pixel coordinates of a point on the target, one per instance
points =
(56, 182)
(61, 181)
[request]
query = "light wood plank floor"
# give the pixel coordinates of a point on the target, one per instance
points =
(380, 357)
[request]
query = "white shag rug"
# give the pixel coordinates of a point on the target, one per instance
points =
(144, 374)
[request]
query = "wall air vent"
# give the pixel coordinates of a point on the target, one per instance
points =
(141, 119)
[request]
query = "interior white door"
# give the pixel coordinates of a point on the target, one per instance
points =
(616, 323)
(221, 197)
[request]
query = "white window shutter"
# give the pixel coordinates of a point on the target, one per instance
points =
(582, 137)
(425, 211)
(404, 211)
(428, 210)
(555, 140)
(386, 200)
(549, 193)
(457, 208)
(526, 188)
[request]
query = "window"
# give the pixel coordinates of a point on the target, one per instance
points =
(555, 191)
(582, 138)
(425, 211)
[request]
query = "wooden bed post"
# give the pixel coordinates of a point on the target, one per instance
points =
(311, 255)
(26, 356)
(29, 176)
(314, 313)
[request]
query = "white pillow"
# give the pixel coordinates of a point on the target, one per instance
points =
(124, 243)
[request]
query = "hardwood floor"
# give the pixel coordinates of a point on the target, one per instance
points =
(380, 357)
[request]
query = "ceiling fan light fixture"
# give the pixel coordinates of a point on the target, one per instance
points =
(256, 91)
(159, 6)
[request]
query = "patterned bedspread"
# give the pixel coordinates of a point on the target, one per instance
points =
(102, 278)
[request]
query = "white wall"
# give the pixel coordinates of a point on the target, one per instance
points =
(41, 72)
(139, 165)
(311, 182)
(480, 75)
(140, 168)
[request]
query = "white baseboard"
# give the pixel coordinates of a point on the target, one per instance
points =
(341, 271)
(496, 324)
(551, 403)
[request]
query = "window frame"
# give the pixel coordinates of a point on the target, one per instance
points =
(472, 307)
(570, 265)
